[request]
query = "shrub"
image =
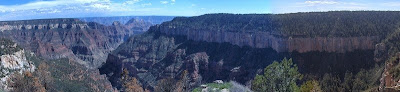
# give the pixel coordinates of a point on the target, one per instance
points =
(310, 86)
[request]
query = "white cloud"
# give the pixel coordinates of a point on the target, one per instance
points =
(164, 2)
(56, 3)
(74, 8)
(392, 4)
(77, 5)
(130, 2)
(146, 4)
(100, 6)
(172, 2)
(54, 11)
(312, 3)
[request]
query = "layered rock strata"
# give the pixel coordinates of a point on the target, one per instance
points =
(87, 43)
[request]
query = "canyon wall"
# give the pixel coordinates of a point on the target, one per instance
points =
(277, 42)
(239, 46)
(86, 43)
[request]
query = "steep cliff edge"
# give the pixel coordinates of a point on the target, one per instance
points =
(86, 43)
(237, 47)
(24, 71)
(278, 43)
(302, 32)
(12, 60)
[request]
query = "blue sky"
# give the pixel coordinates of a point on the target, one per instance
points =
(37, 9)
(291, 6)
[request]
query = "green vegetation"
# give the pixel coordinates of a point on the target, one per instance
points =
(57, 75)
(362, 81)
(331, 83)
(278, 77)
(173, 85)
(282, 77)
(314, 24)
(130, 84)
(25, 83)
(310, 86)
(231, 86)
(216, 86)
(197, 90)
(8, 47)
(220, 86)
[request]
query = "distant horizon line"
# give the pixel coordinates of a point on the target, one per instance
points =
(200, 14)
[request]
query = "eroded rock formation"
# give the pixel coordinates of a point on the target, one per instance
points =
(238, 47)
(86, 43)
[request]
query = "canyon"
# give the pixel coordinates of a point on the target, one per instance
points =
(227, 47)
(236, 47)
(88, 43)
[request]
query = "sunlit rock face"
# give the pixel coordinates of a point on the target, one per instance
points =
(16, 61)
(12, 60)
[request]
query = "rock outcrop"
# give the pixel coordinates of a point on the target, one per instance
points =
(28, 71)
(12, 63)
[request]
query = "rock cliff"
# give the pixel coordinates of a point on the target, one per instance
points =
(86, 43)
(23, 70)
(12, 63)
(237, 47)
(278, 43)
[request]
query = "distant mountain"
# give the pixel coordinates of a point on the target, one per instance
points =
(239, 46)
(125, 19)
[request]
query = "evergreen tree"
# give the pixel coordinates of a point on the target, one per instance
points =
(278, 77)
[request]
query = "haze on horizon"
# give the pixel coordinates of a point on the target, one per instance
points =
(41, 9)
